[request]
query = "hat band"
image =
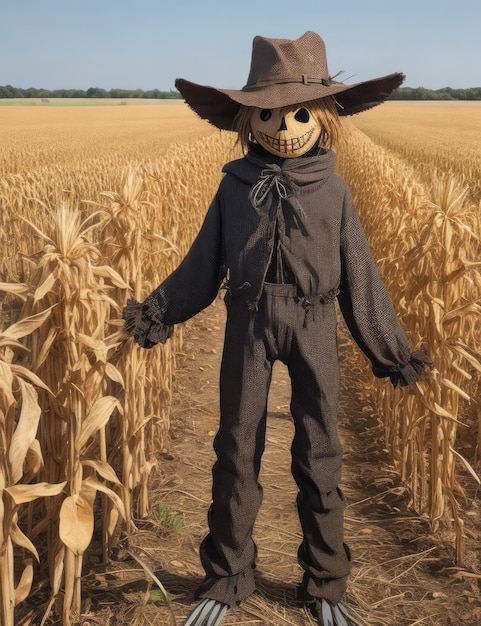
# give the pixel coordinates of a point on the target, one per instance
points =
(304, 80)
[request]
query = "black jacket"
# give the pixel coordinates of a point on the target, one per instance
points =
(305, 208)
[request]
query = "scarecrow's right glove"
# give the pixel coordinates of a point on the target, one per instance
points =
(142, 321)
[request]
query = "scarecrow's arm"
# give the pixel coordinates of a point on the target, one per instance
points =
(368, 310)
(185, 292)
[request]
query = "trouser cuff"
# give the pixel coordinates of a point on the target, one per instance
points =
(230, 590)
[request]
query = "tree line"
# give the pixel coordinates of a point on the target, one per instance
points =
(403, 93)
(446, 93)
(8, 91)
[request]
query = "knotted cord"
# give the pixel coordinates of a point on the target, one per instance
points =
(274, 179)
(269, 178)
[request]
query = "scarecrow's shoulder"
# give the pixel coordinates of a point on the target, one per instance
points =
(239, 171)
(338, 182)
(234, 166)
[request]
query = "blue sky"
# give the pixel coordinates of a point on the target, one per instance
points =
(146, 44)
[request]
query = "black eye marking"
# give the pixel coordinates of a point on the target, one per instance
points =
(265, 115)
(302, 116)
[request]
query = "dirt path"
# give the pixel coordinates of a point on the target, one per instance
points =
(401, 575)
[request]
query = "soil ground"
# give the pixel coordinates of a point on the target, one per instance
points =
(402, 575)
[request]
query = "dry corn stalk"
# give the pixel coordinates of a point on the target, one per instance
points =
(70, 354)
(427, 243)
(124, 231)
(149, 224)
(21, 460)
(80, 360)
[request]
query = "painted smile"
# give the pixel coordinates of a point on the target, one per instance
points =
(287, 146)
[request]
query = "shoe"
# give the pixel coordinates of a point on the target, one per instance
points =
(328, 614)
(207, 613)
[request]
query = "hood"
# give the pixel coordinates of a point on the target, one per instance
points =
(301, 172)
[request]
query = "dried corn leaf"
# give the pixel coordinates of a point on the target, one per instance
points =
(104, 469)
(93, 483)
(18, 289)
(45, 286)
(97, 417)
(25, 431)
(26, 493)
(19, 370)
(107, 272)
(44, 351)
(458, 349)
(20, 539)
(24, 586)
(6, 384)
(448, 383)
(76, 524)
(34, 457)
(114, 374)
(442, 412)
(466, 465)
(25, 326)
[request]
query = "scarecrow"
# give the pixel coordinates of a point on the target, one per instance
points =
(283, 239)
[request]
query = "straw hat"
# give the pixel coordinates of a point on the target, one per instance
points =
(285, 72)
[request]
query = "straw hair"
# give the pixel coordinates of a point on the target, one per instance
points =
(323, 109)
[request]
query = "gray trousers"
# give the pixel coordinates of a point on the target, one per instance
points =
(306, 342)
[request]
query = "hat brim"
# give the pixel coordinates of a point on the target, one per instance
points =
(220, 106)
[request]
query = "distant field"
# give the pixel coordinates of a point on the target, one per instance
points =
(45, 102)
(441, 136)
(445, 124)
(50, 135)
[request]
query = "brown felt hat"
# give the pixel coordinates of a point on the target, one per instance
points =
(285, 72)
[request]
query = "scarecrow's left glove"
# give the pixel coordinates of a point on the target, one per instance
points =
(143, 322)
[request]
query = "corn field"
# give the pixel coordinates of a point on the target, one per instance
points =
(425, 232)
(93, 218)
(84, 411)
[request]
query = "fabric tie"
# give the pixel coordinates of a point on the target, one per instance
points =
(270, 178)
(275, 180)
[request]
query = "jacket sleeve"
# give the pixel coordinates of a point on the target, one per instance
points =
(184, 293)
(368, 311)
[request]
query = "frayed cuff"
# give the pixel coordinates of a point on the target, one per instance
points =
(404, 375)
(142, 321)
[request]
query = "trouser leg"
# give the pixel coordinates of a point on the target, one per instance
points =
(317, 455)
(310, 352)
(228, 552)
